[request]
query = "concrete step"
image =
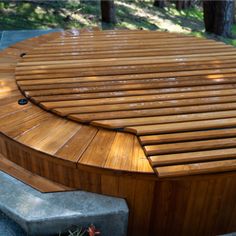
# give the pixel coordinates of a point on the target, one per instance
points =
(51, 213)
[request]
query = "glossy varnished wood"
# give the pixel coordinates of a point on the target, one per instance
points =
(175, 166)
(146, 83)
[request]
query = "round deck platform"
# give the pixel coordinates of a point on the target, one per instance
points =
(147, 83)
(147, 116)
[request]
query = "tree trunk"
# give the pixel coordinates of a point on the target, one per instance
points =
(182, 4)
(209, 15)
(159, 3)
(218, 16)
(108, 11)
(179, 5)
(234, 18)
(224, 17)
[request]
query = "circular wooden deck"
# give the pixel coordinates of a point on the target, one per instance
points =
(163, 87)
(146, 116)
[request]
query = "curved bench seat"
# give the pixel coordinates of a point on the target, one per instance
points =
(154, 169)
(32, 127)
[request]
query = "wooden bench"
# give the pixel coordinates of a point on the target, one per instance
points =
(147, 116)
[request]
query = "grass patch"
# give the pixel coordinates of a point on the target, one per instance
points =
(133, 14)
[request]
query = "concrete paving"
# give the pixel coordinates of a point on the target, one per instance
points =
(10, 37)
(47, 214)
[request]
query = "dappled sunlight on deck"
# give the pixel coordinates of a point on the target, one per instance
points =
(5, 90)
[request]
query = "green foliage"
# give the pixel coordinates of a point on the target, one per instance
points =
(74, 13)
(39, 14)
(131, 14)
(90, 231)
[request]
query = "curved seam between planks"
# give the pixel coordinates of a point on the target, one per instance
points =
(64, 160)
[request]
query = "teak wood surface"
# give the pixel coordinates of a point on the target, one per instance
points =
(146, 116)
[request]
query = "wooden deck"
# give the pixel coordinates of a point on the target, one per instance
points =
(176, 86)
(147, 116)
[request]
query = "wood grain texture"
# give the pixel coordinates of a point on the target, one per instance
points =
(192, 191)
(148, 83)
(41, 184)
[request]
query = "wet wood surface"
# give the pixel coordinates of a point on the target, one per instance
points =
(176, 93)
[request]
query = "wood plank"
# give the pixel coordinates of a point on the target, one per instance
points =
(12, 107)
(72, 64)
(187, 136)
(75, 34)
(122, 53)
(122, 123)
(160, 74)
(182, 126)
(139, 159)
(67, 51)
(128, 46)
(196, 168)
(105, 71)
(41, 184)
(17, 118)
(74, 148)
(98, 151)
(110, 88)
(152, 68)
(168, 93)
(141, 105)
(97, 116)
(50, 135)
(110, 37)
(126, 52)
(123, 157)
(27, 123)
(108, 48)
(119, 41)
(83, 82)
(9, 97)
(182, 147)
(89, 80)
(191, 157)
(138, 98)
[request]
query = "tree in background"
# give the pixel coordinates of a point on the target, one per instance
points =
(218, 16)
(182, 4)
(159, 3)
(108, 11)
